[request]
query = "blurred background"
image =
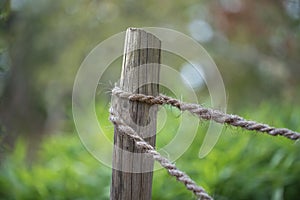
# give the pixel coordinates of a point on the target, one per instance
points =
(255, 44)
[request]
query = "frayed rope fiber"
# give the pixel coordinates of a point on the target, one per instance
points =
(168, 165)
(208, 113)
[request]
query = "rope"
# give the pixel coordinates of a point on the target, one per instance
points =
(208, 114)
(170, 167)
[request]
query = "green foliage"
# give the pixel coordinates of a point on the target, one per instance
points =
(4, 10)
(64, 170)
(243, 164)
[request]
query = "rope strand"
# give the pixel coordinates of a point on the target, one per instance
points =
(170, 167)
(208, 114)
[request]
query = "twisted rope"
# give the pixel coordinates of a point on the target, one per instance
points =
(170, 167)
(208, 114)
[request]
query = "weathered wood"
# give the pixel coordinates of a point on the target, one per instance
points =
(132, 170)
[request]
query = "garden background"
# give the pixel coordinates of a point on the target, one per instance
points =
(255, 44)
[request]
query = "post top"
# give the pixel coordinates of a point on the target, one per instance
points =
(131, 30)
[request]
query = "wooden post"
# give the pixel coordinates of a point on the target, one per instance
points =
(132, 170)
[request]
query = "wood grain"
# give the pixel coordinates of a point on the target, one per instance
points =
(132, 170)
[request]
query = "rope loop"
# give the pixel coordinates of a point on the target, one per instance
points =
(199, 111)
